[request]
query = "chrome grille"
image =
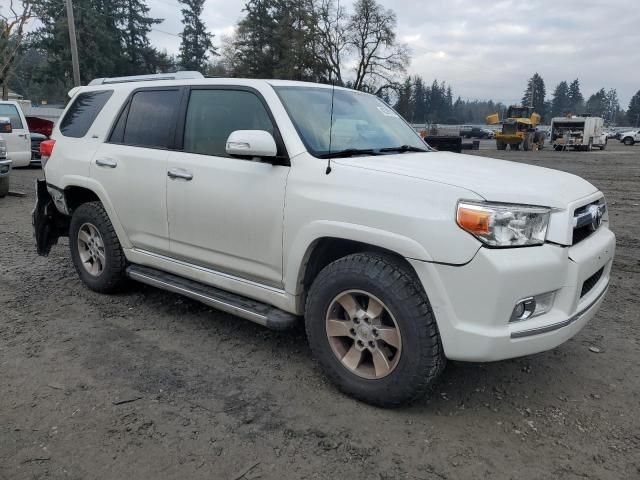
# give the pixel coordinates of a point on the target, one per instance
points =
(588, 219)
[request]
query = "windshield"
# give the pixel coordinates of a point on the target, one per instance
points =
(361, 122)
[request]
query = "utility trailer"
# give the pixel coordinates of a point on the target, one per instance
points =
(579, 133)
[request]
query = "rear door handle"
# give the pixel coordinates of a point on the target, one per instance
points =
(106, 162)
(180, 173)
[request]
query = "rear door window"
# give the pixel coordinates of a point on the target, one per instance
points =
(212, 115)
(10, 111)
(82, 113)
(148, 120)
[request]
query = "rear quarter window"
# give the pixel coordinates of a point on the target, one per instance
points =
(82, 113)
(148, 120)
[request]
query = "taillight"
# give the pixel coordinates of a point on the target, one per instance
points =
(46, 148)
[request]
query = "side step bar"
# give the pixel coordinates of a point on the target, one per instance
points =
(261, 313)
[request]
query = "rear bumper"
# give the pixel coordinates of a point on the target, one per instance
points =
(473, 303)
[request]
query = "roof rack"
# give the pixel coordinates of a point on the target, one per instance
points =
(184, 75)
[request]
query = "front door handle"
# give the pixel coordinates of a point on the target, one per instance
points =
(180, 173)
(106, 162)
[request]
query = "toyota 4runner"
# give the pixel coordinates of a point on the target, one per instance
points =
(280, 201)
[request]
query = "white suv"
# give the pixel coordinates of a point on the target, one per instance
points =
(278, 200)
(630, 137)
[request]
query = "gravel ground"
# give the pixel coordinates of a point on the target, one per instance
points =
(147, 384)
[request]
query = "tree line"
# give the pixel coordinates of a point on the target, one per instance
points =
(309, 40)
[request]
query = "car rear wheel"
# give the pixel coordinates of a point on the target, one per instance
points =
(371, 328)
(95, 249)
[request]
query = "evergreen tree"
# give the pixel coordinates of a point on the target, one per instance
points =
(137, 25)
(405, 99)
(100, 41)
(535, 94)
(560, 103)
(576, 100)
(418, 101)
(197, 42)
(633, 112)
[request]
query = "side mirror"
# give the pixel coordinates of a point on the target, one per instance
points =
(5, 125)
(252, 143)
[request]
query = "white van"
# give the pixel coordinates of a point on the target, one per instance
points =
(19, 140)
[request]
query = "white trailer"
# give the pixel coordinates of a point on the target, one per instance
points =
(579, 133)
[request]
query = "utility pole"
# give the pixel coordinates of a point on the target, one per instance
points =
(73, 44)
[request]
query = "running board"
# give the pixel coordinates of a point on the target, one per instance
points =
(261, 313)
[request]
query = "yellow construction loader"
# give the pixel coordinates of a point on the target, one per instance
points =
(518, 129)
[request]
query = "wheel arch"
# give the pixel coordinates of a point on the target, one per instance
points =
(324, 250)
(91, 191)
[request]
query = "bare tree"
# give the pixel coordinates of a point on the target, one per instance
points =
(332, 37)
(381, 60)
(11, 36)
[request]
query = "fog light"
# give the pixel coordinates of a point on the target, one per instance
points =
(532, 306)
(524, 309)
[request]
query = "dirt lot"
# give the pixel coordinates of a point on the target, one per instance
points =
(207, 395)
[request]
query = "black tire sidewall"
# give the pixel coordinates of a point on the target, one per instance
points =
(400, 385)
(114, 272)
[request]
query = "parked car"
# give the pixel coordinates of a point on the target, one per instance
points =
(18, 141)
(467, 131)
(283, 202)
(630, 137)
(36, 140)
(5, 169)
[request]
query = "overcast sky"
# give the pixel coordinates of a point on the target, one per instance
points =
(488, 49)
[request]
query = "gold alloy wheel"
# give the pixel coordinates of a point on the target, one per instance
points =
(363, 334)
(91, 249)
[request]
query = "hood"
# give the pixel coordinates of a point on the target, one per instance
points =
(493, 179)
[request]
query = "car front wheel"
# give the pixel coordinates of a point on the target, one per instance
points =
(370, 326)
(628, 141)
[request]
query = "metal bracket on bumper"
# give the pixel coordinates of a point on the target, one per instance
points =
(48, 223)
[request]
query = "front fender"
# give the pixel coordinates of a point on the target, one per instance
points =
(319, 229)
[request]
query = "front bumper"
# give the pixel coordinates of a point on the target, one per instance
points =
(5, 167)
(473, 303)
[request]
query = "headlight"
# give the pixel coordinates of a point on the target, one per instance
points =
(504, 225)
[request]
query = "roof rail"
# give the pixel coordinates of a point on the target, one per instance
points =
(184, 75)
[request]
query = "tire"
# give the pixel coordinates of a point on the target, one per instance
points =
(4, 186)
(628, 141)
(110, 273)
(501, 145)
(420, 359)
(515, 146)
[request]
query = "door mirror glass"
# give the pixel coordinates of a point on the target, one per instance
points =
(5, 125)
(252, 143)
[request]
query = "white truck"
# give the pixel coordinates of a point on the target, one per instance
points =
(579, 133)
(285, 202)
(19, 139)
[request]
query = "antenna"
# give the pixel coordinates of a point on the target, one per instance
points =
(333, 93)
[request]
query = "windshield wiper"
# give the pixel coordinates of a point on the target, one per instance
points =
(403, 148)
(350, 152)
